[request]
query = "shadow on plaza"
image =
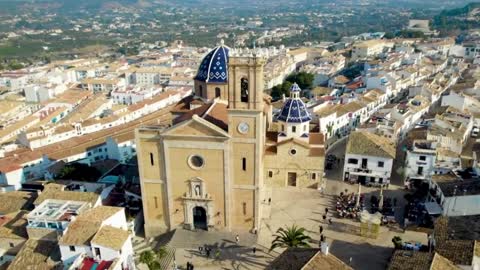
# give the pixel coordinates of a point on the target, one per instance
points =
(363, 256)
(240, 256)
(341, 227)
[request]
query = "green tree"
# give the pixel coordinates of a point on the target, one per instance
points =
(79, 171)
(147, 257)
(303, 79)
(397, 242)
(279, 90)
(290, 237)
(151, 259)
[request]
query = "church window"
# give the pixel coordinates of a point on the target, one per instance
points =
(244, 90)
(200, 91)
(270, 174)
(244, 208)
(155, 201)
(196, 161)
(294, 129)
(314, 176)
(217, 92)
(293, 152)
(283, 128)
(244, 164)
(151, 159)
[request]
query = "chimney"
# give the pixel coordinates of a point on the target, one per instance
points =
(324, 247)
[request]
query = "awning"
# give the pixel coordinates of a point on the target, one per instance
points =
(433, 208)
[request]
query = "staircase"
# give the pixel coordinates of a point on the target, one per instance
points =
(140, 245)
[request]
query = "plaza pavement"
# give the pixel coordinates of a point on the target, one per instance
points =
(302, 207)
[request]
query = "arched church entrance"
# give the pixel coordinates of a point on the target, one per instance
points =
(199, 218)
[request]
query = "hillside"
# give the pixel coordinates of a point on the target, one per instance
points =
(456, 20)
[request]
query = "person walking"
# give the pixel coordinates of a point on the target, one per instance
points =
(237, 239)
(188, 265)
(254, 249)
(321, 229)
(269, 201)
(207, 251)
(326, 210)
(330, 221)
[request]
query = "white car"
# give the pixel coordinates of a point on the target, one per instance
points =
(475, 132)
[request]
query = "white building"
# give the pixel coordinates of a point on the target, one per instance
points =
(98, 236)
(14, 81)
(148, 75)
(369, 48)
(455, 196)
(132, 95)
(420, 161)
(368, 159)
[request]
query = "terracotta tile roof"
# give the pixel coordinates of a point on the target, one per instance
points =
(79, 144)
(271, 150)
(55, 191)
(80, 232)
(316, 138)
(218, 115)
(306, 259)
(14, 201)
(200, 111)
(441, 263)
(111, 237)
(271, 137)
(85, 228)
(453, 238)
(366, 143)
(36, 255)
(14, 225)
(418, 260)
(410, 260)
(215, 113)
(99, 213)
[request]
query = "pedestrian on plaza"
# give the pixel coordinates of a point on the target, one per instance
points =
(322, 239)
(326, 210)
(330, 221)
(321, 229)
(191, 266)
(237, 238)
(269, 201)
(188, 265)
(217, 254)
(207, 251)
(350, 261)
(324, 217)
(254, 249)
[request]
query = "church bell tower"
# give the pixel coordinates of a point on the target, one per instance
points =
(246, 122)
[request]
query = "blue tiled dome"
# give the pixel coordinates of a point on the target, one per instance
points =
(214, 66)
(294, 111)
(295, 88)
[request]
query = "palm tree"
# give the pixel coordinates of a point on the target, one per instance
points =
(290, 237)
(151, 258)
(147, 257)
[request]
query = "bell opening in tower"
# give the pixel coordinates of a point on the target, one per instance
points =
(244, 90)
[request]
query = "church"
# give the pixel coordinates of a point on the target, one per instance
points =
(211, 169)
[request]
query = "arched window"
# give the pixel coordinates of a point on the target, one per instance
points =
(200, 91)
(218, 92)
(244, 90)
